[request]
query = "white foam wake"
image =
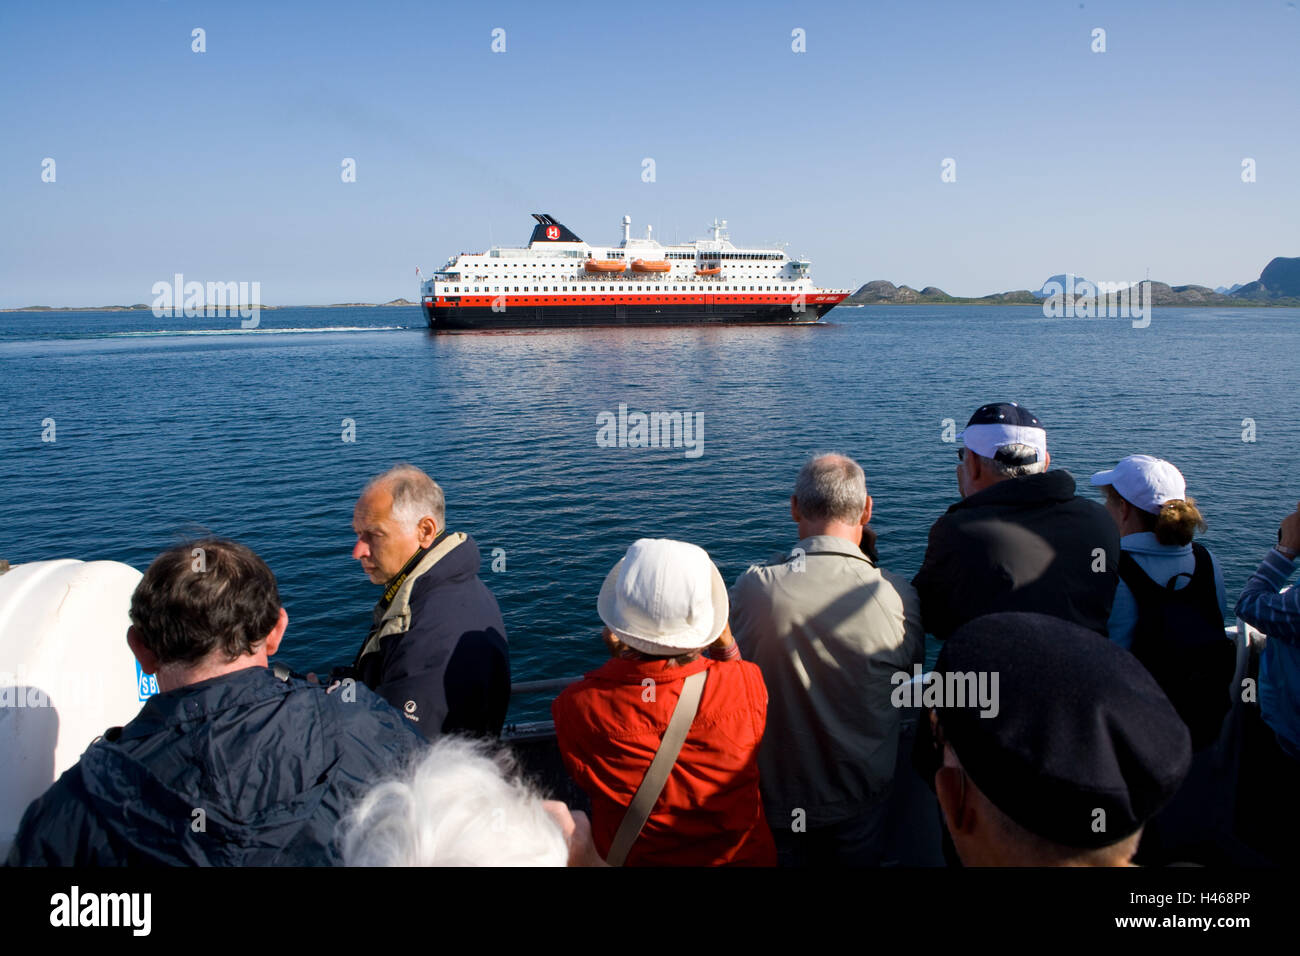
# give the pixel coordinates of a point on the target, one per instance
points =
(259, 331)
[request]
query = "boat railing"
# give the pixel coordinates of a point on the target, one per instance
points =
(520, 731)
(555, 684)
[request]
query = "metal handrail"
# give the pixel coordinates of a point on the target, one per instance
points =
(542, 686)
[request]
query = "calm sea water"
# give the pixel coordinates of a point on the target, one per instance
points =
(166, 428)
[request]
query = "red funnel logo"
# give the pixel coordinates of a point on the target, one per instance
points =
(552, 232)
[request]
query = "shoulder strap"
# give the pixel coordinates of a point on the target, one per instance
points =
(1202, 590)
(1204, 563)
(652, 784)
(1138, 581)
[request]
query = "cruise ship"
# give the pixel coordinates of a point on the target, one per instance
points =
(558, 281)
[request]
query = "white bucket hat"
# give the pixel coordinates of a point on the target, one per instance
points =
(664, 597)
(1145, 482)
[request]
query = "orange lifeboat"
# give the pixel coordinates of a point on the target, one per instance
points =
(713, 271)
(650, 265)
(604, 265)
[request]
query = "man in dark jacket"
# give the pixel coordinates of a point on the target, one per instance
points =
(1020, 539)
(228, 765)
(437, 647)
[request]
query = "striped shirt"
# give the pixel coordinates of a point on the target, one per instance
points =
(1278, 616)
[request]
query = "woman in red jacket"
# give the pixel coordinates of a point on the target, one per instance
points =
(662, 605)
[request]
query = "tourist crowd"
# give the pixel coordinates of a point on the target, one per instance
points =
(1084, 701)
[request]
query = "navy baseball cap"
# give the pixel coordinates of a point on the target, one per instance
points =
(998, 424)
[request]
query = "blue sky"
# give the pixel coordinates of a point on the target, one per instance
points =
(225, 165)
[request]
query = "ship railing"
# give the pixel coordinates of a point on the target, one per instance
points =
(523, 730)
(1247, 639)
(550, 685)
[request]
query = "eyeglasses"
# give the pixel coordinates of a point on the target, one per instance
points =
(961, 454)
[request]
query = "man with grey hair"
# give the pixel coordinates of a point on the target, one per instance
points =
(1019, 539)
(829, 630)
(437, 646)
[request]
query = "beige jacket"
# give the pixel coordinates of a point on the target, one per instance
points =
(828, 630)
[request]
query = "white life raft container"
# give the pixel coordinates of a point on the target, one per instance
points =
(66, 673)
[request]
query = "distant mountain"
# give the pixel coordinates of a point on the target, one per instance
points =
(880, 292)
(1278, 284)
(1227, 289)
(1279, 280)
(1062, 282)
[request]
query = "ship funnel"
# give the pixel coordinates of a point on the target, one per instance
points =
(550, 229)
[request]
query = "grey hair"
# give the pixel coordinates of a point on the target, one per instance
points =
(1015, 461)
(462, 803)
(831, 487)
(415, 494)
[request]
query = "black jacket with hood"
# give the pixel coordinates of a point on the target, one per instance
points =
(239, 770)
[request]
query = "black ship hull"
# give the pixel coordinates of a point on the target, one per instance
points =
(456, 317)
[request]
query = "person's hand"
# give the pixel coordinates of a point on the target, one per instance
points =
(576, 828)
(1289, 536)
(725, 640)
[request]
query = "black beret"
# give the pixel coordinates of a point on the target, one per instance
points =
(1080, 726)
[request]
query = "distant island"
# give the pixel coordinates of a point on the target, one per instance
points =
(1277, 285)
(141, 307)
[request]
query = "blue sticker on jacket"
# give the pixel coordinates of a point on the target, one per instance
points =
(146, 685)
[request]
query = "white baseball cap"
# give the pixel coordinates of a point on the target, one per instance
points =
(664, 597)
(1145, 482)
(999, 424)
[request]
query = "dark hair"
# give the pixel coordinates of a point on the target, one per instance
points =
(204, 596)
(678, 660)
(1177, 523)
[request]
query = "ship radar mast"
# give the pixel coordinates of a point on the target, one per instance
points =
(719, 229)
